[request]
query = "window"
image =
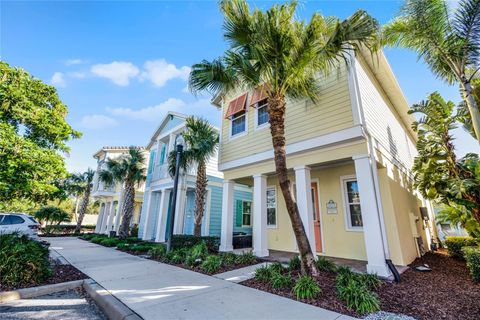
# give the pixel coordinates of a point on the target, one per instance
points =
(262, 113)
(246, 213)
(271, 207)
(352, 203)
(8, 219)
(238, 123)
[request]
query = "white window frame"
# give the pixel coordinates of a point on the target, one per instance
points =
(241, 134)
(251, 213)
(273, 226)
(346, 205)
(263, 125)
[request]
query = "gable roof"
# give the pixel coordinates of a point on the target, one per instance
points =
(169, 116)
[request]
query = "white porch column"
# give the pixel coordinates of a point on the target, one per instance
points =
(148, 216)
(226, 237)
(370, 217)
(180, 206)
(116, 226)
(110, 217)
(98, 227)
(162, 219)
(260, 236)
(105, 217)
(303, 184)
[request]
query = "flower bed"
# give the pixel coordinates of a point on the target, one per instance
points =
(447, 292)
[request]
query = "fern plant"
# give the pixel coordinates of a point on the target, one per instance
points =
(211, 264)
(326, 265)
(306, 288)
(280, 281)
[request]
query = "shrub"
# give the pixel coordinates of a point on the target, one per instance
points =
(324, 264)
(355, 290)
(133, 240)
(134, 231)
(66, 229)
(158, 252)
(228, 258)
(246, 258)
(276, 267)
(211, 264)
(98, 238)
(199, 251)
(280, 281)
(472, 255)
(188, 241)
(22, 261)
(52, 215)
(140, 247)
(263, 274)
(109, 242)
(294, 263)
(123, 246)
(306, 288)
(455, 245)
(177, 256)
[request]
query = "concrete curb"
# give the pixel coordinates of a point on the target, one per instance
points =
(38, 291)
(113, 308)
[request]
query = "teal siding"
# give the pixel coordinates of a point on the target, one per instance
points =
(172, 124)
(241, 195)
(141, 224)
(215, 211)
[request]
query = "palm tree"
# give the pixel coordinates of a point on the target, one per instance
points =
(448, 42)
(282, 57)
(82, 183)
(202, 141)
(128, 169)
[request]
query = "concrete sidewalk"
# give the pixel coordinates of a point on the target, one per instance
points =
(159, 291)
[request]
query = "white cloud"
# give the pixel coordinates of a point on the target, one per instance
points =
(152, 113)
(97, 121)
(77, 75)
(119, 72)
(160, 71)
(58, 79)
(72, 62)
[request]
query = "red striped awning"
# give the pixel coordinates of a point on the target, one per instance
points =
(258, 95)
(236, 105)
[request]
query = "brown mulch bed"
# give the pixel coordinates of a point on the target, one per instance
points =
(447, 292)
(61, 273)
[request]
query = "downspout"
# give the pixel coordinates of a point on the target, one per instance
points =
(373, 167)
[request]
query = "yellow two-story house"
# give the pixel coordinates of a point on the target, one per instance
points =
(349, 158)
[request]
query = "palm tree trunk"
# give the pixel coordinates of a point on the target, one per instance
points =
(127, 210)
(472, 105)
(200, 192)
(83, 209)
(276, 113)
(76, 207)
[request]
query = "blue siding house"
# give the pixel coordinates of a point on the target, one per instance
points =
(156, 209)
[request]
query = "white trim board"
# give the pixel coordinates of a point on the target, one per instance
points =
(353, 133)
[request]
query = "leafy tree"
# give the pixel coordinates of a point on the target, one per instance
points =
(52, 215)
(33, 131)
(202, 141)
(438, 174)
(128, 169)
(448, 41)
(274, 52)
(459, 216)
(82, 183)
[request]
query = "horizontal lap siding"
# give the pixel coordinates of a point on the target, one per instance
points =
(382, 120)
(304, 120)
(215, 211)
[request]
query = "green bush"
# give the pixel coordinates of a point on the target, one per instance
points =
(280, 281)
(158, 252)
(98, 238)
(177, 256)
(211, 264)
(263, 274)
(133, 240)
(294, 263)
(124, 246)
(141, 247)
(52, 215)
(22, 261)
(134, 231)
(89, 236)
(306, 288)
(109, 242)
(228, 258)
(324, 264)
(472, 255)
(199, 251)
(455, 245)
(276, 267)
(188, 241)
(355, 290)
(246, 258)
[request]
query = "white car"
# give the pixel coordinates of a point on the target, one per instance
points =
(18, 222)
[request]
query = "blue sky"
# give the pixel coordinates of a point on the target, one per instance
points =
(120, 66)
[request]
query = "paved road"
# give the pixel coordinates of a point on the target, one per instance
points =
(65, 305)
(160, 291)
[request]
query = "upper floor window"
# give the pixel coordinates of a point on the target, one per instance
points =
(352, 204)
(239, 123)
(262, 113)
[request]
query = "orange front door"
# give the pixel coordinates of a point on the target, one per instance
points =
(316, 217)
